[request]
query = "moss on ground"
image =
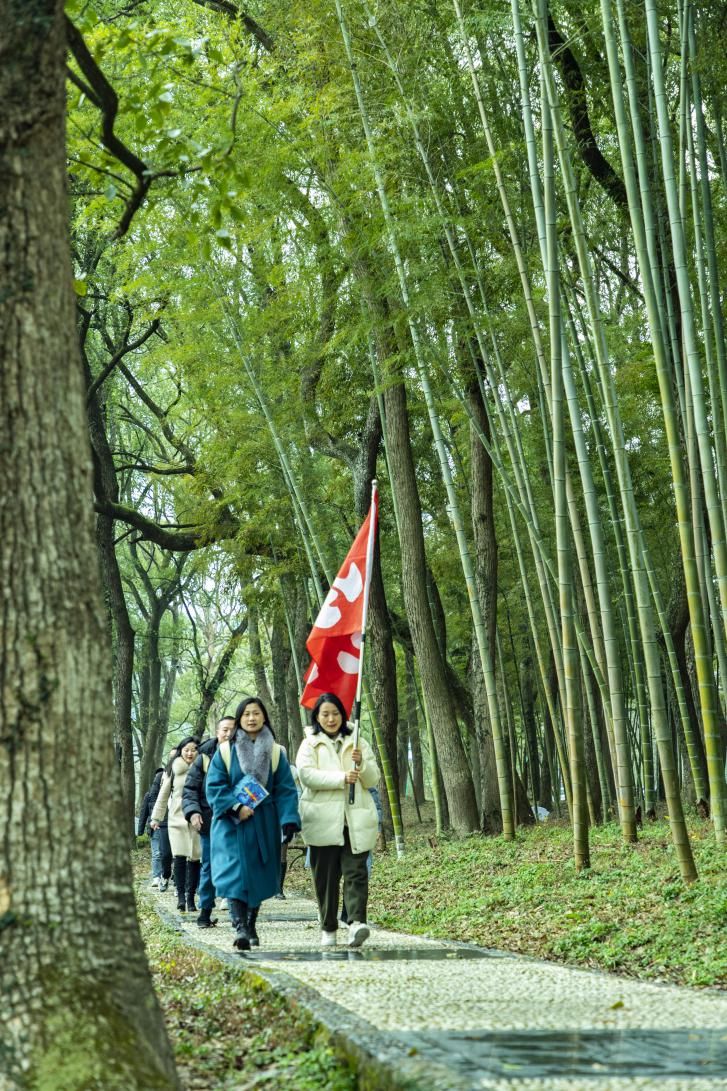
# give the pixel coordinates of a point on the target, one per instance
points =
(227, 1032)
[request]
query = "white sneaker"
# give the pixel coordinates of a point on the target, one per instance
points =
(155, 882)
(357, 934)
(222, 905)
(163, 884)
(328, 939)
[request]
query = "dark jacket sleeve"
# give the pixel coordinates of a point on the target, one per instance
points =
(193, 791)
(144, 813)
(286, 794)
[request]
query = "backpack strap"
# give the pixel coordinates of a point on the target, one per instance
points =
(205, 763)
(226, 754)
(275, 756)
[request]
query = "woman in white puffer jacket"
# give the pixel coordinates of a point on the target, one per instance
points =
(340, 834)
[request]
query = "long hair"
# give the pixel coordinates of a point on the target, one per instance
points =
(332, 699)
(179, 748)
(241, 708)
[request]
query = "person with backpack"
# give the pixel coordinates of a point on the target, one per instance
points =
(161, 853)
(185, 842)
(198, 813)
(246, 837)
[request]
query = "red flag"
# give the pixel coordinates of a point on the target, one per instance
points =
(334, 643)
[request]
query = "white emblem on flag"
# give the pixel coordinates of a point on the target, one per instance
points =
(351, 585)
(348, 663)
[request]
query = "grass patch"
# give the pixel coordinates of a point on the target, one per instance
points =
(629, 913)
(227, 1032)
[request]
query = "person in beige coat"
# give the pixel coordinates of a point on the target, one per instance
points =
(185, 841)
(340, 834)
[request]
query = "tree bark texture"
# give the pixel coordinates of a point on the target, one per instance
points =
(381, 667)
(279, 656)
(106, 488)
(453, 764)
(257, 662)
(78, 1005)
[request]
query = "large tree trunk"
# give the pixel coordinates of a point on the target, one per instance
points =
(78, 1005)
(454, 768)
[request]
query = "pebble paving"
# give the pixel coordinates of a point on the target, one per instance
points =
(461, 1017)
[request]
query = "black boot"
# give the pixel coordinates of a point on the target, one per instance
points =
(251, 929)
(180, 880)
(193, 870)
(238, 913)
(204, 920)
(283, 869)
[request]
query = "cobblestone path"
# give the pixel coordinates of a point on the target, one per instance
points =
(427, 1014)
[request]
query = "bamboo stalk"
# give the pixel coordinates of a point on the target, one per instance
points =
(453, 504)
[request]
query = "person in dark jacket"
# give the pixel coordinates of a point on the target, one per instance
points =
(198, 813)
(161, 852)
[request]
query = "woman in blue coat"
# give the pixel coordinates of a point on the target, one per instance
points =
(245, 842)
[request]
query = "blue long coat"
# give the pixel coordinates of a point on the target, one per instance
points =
(245, 856)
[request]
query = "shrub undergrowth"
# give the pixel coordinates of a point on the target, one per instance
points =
(629, 913)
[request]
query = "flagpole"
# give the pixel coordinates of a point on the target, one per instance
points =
(364, 616)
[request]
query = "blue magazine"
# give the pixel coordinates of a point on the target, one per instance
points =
(249, 791)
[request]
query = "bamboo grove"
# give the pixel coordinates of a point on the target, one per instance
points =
(474, 249)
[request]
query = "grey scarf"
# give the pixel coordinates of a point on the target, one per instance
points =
(254, 753)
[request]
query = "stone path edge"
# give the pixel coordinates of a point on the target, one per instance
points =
(381, 1063)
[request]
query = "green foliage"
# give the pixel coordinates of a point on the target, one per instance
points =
(629, 913)
(262, 251)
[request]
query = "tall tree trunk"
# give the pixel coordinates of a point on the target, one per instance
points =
(78, 1004)
(381, 670)
(528, 690)
(485, 563)
(300, 624)
(154, 733)
(106, 488)
(262, 689)
(123, 659)
(454, 768)
(417, 765)
(279, 663)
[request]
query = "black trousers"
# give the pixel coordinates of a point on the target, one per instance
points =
(165, 850)
(330, 862)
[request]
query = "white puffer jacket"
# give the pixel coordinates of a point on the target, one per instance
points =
(324, 802)
(183, 839)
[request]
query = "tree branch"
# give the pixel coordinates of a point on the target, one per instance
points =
(225, 7)
(108, 102)
(168, 537)
(118, 356)
(591, 154)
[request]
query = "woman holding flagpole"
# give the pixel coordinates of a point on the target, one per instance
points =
(339, 825)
